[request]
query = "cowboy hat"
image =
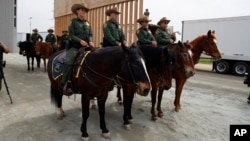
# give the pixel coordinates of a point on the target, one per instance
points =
(64, 31)
(35, 30)
(112, 10)
(164, 19)
(143, 19)
(50, 30)
(76, 7)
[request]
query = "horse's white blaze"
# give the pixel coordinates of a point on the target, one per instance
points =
(190, 53)
(145, 69)
(215, 41)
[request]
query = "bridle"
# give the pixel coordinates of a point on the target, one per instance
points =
(209, 49)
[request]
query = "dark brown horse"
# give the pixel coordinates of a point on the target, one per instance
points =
(182, 63)
(27, 49)
(44, 50)
(96, 74)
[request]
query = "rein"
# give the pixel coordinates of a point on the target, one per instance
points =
(92, 70)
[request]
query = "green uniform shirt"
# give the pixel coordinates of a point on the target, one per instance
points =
(79, 30)
(163, 36)
(50, 38)
(113, 33)
(35, 37)
(144, 36)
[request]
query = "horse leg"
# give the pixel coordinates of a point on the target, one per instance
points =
(44, 62)
(85, 115)
(153, 101)
(118, 95)
(32, 63)
(56, 98)
(160, 93)
(179, 86)
(128, 96)
(101, 104)
(28, 63)
(38, 60)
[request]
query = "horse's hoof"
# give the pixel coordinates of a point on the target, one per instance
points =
(120, 102)
(106, 135)
(127, 126)
(160, 114)
(131, 121)
(154, 118)
(85, 138)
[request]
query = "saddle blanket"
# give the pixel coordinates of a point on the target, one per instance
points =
(58, 65)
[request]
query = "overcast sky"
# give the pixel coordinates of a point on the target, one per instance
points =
(41, 11)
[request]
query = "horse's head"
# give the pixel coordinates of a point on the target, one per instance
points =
(135, 68)
(210, 45)
(184, 60)
(38, 47)
(25, 47)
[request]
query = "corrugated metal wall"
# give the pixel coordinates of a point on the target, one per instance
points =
(8, 23)
(130, 10)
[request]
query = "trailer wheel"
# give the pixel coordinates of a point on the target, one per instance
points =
(222, 67)
(240, 68)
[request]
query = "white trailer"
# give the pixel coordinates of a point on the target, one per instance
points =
(233, 35)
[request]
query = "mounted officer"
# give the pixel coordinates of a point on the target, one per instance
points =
(143, 34)
(51, 38)
(112, 30)
(35, 36)
(65, 39)
(163, 35)
(80, 34)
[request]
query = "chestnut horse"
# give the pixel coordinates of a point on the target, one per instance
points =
(27, 49)
(183, 63)
(44, 50)
(96, 74)
(203, 43)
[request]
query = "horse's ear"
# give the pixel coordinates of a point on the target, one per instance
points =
(209, 33)
(179, 43)
(213, 32)
(187, 42)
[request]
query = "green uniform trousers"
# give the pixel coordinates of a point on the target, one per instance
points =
(68, 63)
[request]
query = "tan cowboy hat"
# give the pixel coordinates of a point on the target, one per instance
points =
(164, 19)
(112, 10)
(50, 30)
(76, 7)
(64, 31)
(143, 19)
(35, 30)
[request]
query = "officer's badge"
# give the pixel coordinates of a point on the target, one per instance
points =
(87, 23)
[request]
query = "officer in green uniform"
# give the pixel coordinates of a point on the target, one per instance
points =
(3, 49)
(51, 38)
(80, 34)
(163, 35)
(112, 30)
(143, 34)
(65, 39)
(35, 36)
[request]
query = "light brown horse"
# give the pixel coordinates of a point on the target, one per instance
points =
(203, 43)
(45, 50)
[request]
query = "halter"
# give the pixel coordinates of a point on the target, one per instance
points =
(209, 49)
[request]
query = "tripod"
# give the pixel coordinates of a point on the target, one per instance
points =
(2, 65)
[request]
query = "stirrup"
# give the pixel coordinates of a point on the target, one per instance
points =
(67, 90)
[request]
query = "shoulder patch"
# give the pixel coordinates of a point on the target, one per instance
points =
(157, 31)
(87, 23)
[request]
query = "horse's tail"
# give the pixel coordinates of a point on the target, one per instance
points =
(55, 96)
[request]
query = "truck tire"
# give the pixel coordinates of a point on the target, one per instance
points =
(222, 67)
(240, 68)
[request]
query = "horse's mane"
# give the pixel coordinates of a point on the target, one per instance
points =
(26, 45)
(152, 56)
